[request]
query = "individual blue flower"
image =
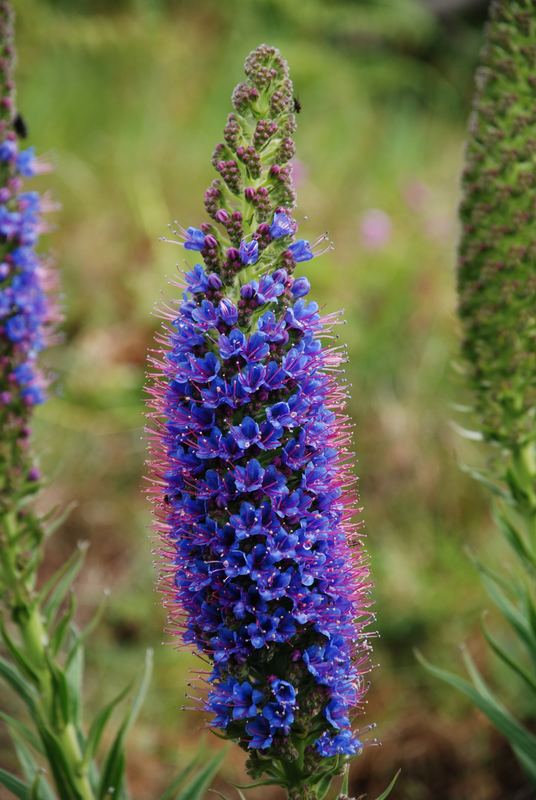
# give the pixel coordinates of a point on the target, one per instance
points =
(301, 250)
(194, 240)
(260, 731)
(249, 251)
(26, 162)
(252, 377)
(279, 715)
(8, 150)
(268, 289)
(247, 433)
(232, 344)
(256, 347)
(196, 279)
(206, 315)
(343, 743)
(282, 225)
(16, 328)
(228, 311)
(250, 477)
(300, 287)
(336, 713)
(245, 700)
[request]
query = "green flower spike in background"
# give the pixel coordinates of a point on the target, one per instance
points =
(497, 308)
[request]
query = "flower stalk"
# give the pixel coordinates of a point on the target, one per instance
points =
(496, 288)
(264, 571)
(42, 647)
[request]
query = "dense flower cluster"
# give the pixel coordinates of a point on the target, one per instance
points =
(264, 568)
(24, 306)
(25, 310)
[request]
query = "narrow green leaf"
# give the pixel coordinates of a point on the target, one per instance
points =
(74, 676)
(99, 724)
(519, 492)
(60, 769)
(53, 592)
(345, 788)
(323, 786)
(23, 730)
(516, 540)
(514, 665)
(528, 764)
(266, 782)
(115, 786)
(197, 788)
(16, 786)
(503, 721)
(40, 789)
(18, 656)
(61, 705)
(63, 627)
(510, 612)
(27, 762)
(478, 680)
(19, 684)
(495, 488)
(530, 609)
(466, 433)
(390, 788)
(170, 792)
(113, 772)
(52, 520)
(95, 619)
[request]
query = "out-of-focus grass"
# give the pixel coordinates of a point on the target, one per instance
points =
(127, 99)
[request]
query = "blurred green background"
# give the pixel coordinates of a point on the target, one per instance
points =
(127, 100)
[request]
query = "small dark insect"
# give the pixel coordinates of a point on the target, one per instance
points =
(166, 499)
(20, 127)
(297, 104)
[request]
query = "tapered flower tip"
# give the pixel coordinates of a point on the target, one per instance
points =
(497, 277)
(266, 72)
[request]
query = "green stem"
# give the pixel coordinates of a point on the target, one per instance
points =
(34, 639)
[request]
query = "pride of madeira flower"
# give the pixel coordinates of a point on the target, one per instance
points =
(27, 310)
(264, 568)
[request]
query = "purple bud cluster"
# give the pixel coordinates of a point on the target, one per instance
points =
(264, 568)
(231, 132)
(264, 131)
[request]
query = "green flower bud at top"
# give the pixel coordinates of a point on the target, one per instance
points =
(497, 254)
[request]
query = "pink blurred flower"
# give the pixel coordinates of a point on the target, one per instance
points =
(417, 195)
(375, 228)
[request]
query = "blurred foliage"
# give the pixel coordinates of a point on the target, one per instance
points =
(128, 99)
